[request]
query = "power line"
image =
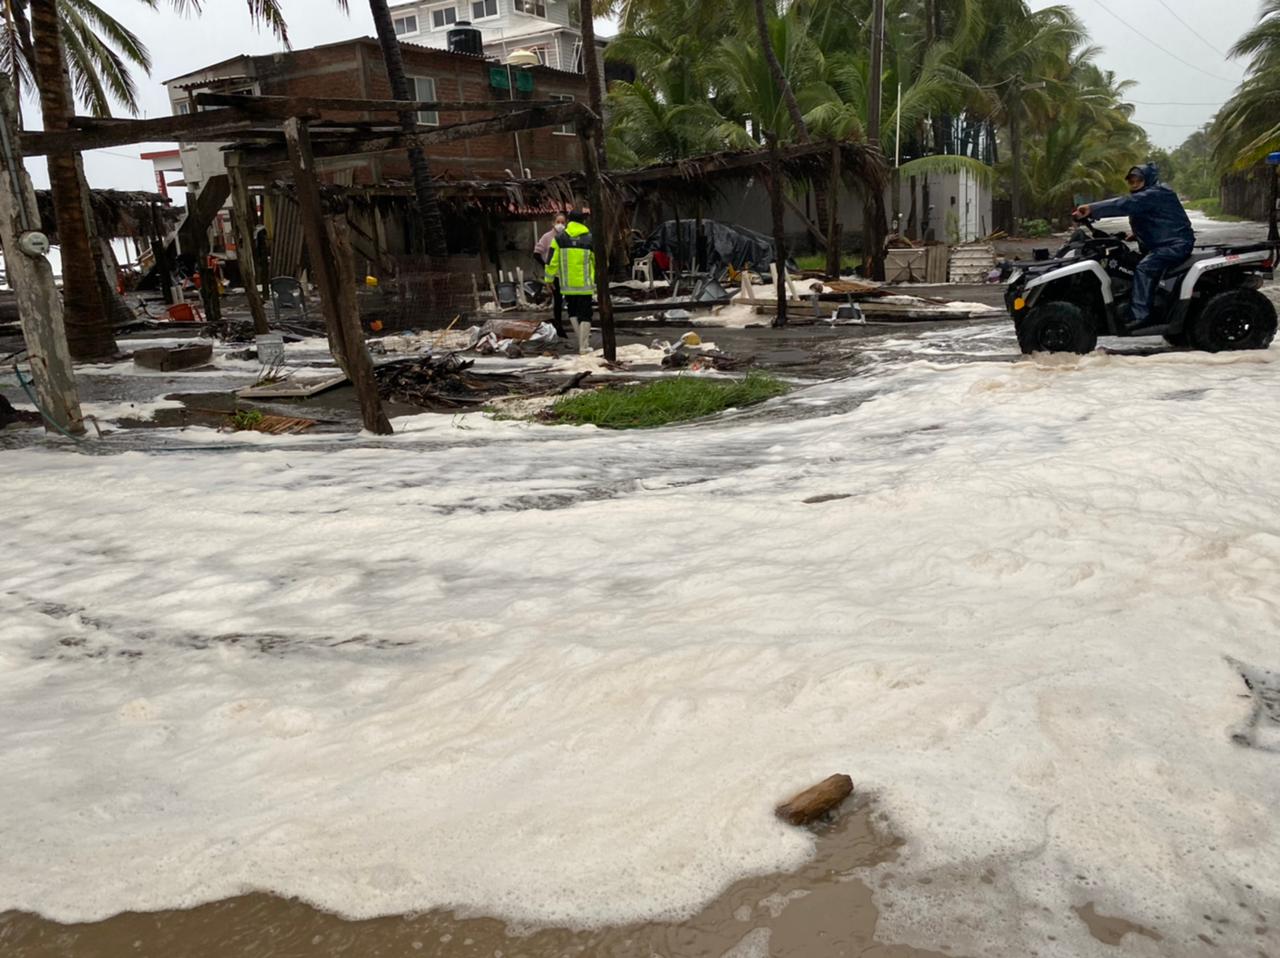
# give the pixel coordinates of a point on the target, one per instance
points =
(1174, 13)
(1176, 126)
(1171, 102)
(1115, 16)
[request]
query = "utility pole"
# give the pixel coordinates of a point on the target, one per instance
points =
(31, 278)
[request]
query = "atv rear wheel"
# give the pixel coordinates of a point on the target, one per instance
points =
(1057, 327)
(1236, 319)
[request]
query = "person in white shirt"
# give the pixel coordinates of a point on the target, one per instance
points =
(542, 253)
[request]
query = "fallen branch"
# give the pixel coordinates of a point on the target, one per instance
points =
(813, 803)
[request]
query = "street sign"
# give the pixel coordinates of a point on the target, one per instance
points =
(1273, 159)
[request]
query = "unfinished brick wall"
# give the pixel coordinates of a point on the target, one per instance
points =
(355, 68)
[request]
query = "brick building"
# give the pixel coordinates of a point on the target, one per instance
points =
(354, 68)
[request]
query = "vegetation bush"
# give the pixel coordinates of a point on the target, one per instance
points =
(665, 401)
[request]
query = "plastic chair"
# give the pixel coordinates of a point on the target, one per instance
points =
(286, 293)
(643, 269)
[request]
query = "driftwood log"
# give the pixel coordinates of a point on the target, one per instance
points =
(814, 802)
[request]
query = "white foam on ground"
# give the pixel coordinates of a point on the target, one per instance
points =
(564, 675)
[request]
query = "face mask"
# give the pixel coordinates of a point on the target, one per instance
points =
(559, 227)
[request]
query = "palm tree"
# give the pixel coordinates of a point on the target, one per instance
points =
(1248, 126)
(70, 48)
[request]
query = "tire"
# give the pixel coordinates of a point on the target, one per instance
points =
(1236, 319)
(1057, 327)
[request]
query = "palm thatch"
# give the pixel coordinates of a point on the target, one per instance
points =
(118, 213)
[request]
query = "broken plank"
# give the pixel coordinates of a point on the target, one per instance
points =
(292, 388)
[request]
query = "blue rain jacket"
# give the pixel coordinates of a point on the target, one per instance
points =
(1155, 213)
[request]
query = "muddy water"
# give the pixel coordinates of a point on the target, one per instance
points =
(823, 909)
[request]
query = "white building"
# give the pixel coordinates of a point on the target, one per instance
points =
(550, 28)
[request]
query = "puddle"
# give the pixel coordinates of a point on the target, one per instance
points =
(822, 909)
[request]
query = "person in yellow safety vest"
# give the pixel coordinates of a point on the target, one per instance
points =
(574, 264)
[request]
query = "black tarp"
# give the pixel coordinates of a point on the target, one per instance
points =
(724, 245)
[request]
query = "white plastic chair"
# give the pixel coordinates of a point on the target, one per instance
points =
(643, 269)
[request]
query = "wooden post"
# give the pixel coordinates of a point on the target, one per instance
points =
(779, 228)
(833, 216)
(602, 225)
(243, 221)
(31, 279)
(345, 334)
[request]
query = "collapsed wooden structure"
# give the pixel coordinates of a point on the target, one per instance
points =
(274, 134)
(274, 144)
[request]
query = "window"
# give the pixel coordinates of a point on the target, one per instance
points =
(442, 17)
(480, 9)
(567, 129)
(405, 25)
(424, 88)
(544, 55)
(183, 108)
(535, 8)
(575, 14)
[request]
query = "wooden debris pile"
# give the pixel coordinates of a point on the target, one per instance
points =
(445, 381)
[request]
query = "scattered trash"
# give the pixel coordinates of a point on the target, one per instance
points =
(677, 315)
(691, 339)
(270, 348)
(849, 314)
(1264, 689)
(531, 331)
(814, 802)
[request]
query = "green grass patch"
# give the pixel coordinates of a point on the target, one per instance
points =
(1211, 206)
(665, 401)
(818, 261)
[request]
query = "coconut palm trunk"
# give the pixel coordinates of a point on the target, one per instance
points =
(85, 315)
(779, 78)
(432, 223)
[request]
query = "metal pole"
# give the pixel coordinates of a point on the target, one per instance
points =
(1273, 233)
(877, 73)
(897, 136)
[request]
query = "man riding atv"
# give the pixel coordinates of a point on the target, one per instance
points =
(1161, 227)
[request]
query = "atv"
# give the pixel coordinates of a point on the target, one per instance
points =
(1212, 302)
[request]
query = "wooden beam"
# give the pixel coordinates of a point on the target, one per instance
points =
(93, 134)
(243, 221)
(31, 278)
(558, 115)
(286, 106)
(807, 223)
(346, 338)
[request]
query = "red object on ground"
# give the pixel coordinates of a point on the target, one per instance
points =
(185, 313)
(662, 261)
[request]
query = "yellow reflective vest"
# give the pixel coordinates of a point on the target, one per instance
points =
(573, 262)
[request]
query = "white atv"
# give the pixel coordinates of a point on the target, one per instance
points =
(1211, 301)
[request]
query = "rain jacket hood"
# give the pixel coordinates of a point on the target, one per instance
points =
(1155, 213)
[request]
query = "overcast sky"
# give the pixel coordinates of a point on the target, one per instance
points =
(1182, 76)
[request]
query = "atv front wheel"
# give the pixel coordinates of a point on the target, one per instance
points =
(1236, 319)
(1057, 327)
